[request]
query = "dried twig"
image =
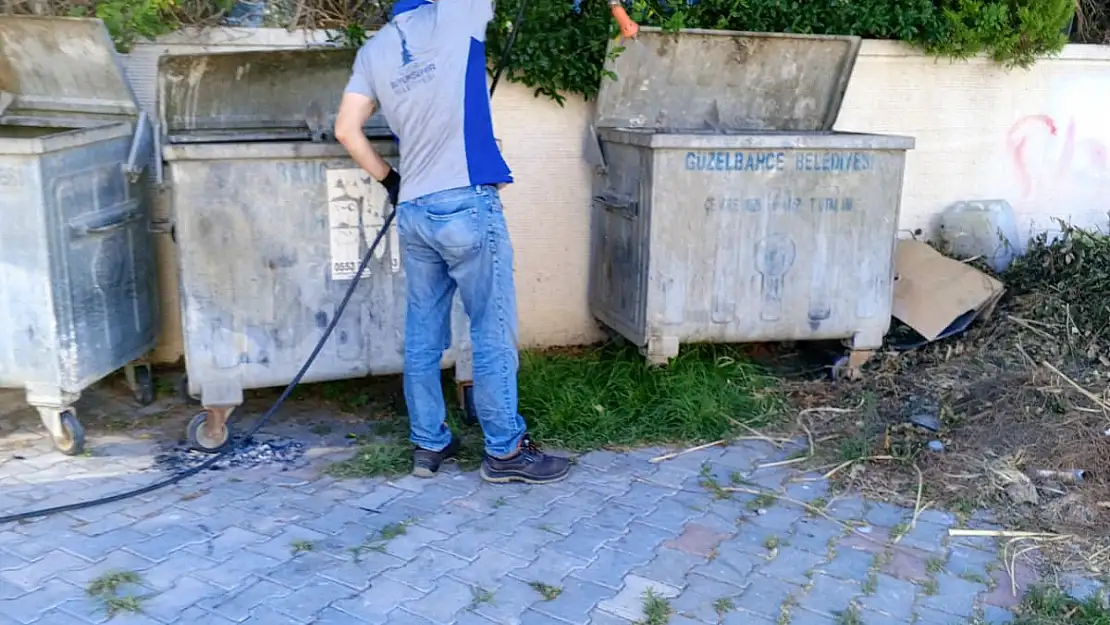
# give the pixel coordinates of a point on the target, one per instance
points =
(1088, 394)
(672, 456)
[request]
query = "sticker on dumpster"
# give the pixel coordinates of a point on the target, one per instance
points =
(357, 206)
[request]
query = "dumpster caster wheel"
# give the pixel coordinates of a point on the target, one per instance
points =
(466, 400)
(144, 386)
(72, 440)
(201, 439)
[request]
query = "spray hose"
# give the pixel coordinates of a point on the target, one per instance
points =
(181, 475)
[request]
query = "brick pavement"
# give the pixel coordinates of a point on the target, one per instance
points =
(279, 547)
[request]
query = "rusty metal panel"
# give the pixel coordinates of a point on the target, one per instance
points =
(726, 80)
(750, 237)
(56, 65)
(257, 95)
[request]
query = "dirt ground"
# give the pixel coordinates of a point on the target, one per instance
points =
(1013, 415)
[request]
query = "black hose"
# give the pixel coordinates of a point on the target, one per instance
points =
(177, 477)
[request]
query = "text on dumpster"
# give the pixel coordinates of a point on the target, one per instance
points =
(768, 161)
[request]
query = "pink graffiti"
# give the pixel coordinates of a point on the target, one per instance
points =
(1091, 150)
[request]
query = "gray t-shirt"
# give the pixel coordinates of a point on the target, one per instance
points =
(426, 69)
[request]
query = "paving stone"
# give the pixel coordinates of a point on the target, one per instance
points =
(886, 515)
(424, 569)
(792, 565)
(510, 601)
(927, 616)
(610, 567)
(670, 515)
(96, 548)
(200, 616)
(891, 596)
(869, 538)
(412, 542)
(470, 542)
(699, 600)
(971, 563)
(574, 604)
(848, 508)
(764, 596)
(815, 535)
(237, 606)
(373, 606)
(874, 618)
(562, 520)
(186, 593)
(954, 596)
(642, 496)
(926, 537)
(490, 567)
(730, 566)
(332, 616)
(697, 539)
(809, 489)
(829, 596)
(281, 547)
(450, 597)
(1002, 594)
(359, 573)
(1082, 589)
(164, 575)
(849, 564)
(641, 539)
(669, 566)
(754, 539)
(550, 567)
(802, 617)
(629, 602)
(525, 541)
(31, 575)
(265, 615)
(739, 617)
(231, 573)
(597, 617)
(301, 570)
(615, 518)
(584, 541)
(908, 564)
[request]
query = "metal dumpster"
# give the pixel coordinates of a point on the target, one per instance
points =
(271, 219)
(725, 208)
(77, 293)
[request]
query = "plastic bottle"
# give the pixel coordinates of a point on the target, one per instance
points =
(985, 228)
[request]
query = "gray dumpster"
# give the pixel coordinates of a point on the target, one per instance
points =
(77, 293)
(725, 209)
(271, 219)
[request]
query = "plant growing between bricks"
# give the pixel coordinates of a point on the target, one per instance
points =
(107, 590)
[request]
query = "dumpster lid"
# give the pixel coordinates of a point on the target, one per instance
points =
(726, 80)
(60, 65)
(256, 95)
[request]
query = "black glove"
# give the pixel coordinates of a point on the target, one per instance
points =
(392, 184)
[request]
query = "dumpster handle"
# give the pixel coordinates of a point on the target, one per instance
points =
(626, 206)
(131, 216)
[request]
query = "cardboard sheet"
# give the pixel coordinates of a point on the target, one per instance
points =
(931, 291)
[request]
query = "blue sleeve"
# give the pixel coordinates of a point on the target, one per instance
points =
(361, 81)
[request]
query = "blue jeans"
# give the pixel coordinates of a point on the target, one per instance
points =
(457, 239)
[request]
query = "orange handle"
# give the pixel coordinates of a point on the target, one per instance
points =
(628, 27)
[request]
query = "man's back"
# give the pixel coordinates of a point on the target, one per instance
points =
(427, 70)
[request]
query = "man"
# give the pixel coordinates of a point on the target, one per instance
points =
(426, 69)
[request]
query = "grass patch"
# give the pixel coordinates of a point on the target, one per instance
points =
(657, 610)
(610, 396)
(850, 616)
(548, 592)
(1050, 606)
(723, 606)
(479, 596)
(107, 587)
(373, 459)
(302, 546)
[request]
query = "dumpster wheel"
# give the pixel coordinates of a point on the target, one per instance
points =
(73, 441)
(201, 439)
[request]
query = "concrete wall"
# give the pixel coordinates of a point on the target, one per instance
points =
(1039, 139)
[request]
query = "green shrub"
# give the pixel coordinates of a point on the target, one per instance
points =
(561, 50)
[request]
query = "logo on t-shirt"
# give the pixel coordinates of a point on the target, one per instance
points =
(412, 73)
